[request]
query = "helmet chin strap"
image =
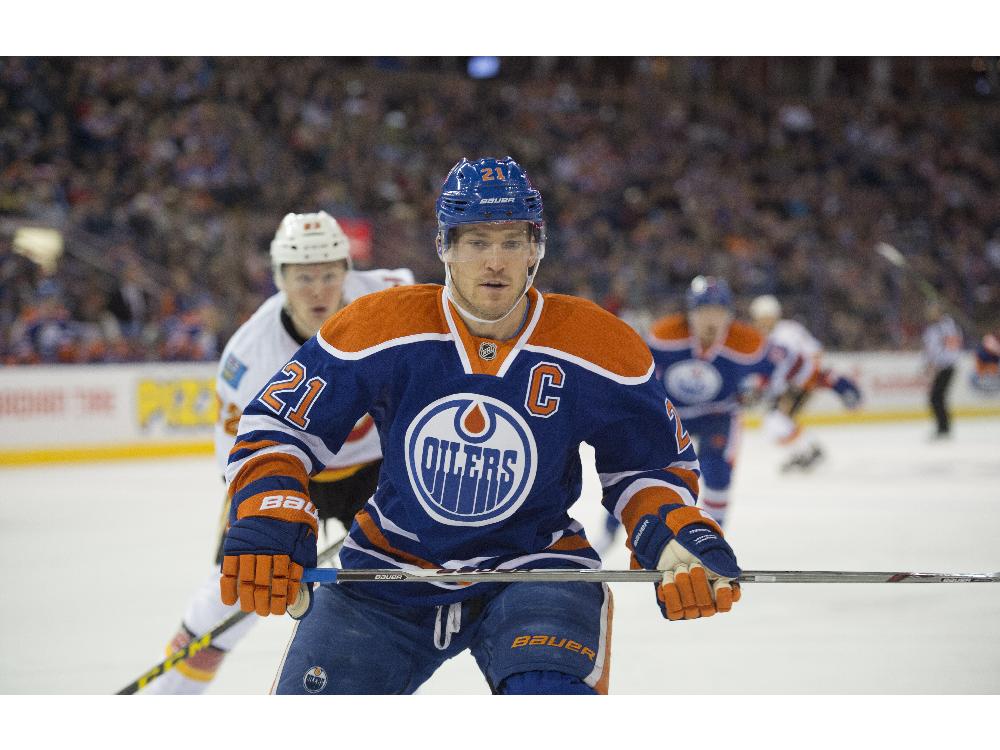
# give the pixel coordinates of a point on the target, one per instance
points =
(466, 314)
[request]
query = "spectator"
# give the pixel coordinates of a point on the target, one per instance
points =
(653, 171)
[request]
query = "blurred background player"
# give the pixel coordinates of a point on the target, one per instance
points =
(986, 377)
(485, 390)
(942, 348)
(312, 270)
(706, 359)
(792, 339)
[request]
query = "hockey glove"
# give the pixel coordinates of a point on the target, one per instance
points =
(700, 573)
(265, 551)
(847, 389)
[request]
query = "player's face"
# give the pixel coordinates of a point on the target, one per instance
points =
(489, 266)
(709, 323)
(764, 323)
(314, 292)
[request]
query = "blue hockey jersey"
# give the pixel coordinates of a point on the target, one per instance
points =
(702, 383)
(480, 437)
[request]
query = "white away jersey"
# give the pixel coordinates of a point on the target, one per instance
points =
(262, 346)
(795, 339)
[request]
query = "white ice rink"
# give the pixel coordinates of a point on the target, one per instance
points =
(98, 561)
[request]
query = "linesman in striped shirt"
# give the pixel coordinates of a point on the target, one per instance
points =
(942, 348)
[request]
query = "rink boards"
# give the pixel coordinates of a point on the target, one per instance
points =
(94, 412)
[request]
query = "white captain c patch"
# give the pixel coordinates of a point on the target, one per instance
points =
(471, 459)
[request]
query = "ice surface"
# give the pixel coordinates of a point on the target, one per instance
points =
(98, 561)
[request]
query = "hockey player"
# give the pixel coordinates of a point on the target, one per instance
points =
(312, 270)
(482, 391)
(942, 348)
(780, 424)
(986, 377)
(708, 363)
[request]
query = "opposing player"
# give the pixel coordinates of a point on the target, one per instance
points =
(781, 425)
(312, 270)
(482, 391)
(986, 376)
(708, 362)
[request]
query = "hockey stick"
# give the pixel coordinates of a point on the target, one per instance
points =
(204, 641)
(899, 260)
(338, 575)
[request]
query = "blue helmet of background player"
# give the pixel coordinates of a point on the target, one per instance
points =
(709, 290)
(488, 190)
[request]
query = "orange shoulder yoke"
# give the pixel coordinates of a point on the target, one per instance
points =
(743, 338)
(671, 328)
(382, 316)
(582, 329)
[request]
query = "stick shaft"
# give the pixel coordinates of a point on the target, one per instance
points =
(391, 575)
(205, 640)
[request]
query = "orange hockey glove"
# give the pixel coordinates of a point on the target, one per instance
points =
(269, 542)
(266, 584)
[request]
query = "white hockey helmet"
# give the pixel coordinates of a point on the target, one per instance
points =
(765, 306)
(309, 238)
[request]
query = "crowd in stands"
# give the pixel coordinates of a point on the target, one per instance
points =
(168, 177)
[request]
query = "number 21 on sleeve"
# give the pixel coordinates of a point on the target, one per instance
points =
(295, 375)
(680, 434)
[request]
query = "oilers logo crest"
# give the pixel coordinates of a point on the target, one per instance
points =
(314, 680)
(692, 381)
(471, 459)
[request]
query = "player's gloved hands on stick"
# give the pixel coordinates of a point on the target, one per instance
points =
(700, 574)
(264, 557)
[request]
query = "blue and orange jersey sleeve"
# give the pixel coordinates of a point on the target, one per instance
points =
(645, 459)
(649, 471)
(292, 428)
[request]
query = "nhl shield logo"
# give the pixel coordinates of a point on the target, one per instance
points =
(471, 459)
(314, 680)
(488, 351)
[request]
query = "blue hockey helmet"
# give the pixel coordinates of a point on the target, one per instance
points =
(709, 290)
(488, 190)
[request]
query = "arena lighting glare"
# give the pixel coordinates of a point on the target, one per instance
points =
(483, 67)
